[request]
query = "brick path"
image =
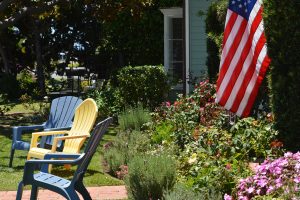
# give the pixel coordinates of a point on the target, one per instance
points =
(97, 193)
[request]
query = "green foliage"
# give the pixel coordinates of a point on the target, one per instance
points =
(3, 104)
(219, 157)
(133, 118)
(145, 85)
(127, 30)
(187, 112)
(148, 176)
(107, 99)
(205, 168)
(125, 147)
(215, 21)
(282, 27)
(54, 85)
(181, 192)
(253, 138)
(115, 158)
(27, 84)
(142, 84)
(162, 133)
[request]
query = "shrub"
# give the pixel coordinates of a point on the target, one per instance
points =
(125, 147)
(149, 176)
(133, 118)
(162, 133)
(142, 84)
(187, 112)
(276, 178)
(206, 170)
(3, 104)
(219, 157)
(28, 84)
(181, 192)
(253, 138)
(215, 20)
(107, 99)
(282, 29)
(114, 158)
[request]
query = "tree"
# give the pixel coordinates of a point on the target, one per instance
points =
(13, 11)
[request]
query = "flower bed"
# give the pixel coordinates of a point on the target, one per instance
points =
(277, 178)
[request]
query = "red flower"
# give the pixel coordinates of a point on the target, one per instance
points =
(168, 104)
(276, 144)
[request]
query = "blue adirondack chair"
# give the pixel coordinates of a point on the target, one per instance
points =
(64, 187)
(61, 115)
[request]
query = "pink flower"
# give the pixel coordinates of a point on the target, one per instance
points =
(250, 190)
(227, 197)
(228, 166)
(262, 182)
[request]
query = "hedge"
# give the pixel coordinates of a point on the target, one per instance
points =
(282, 27)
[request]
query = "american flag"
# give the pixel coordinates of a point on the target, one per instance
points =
(244, 59)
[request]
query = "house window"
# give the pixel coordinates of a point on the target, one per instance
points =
(176, 49)
(173, 45)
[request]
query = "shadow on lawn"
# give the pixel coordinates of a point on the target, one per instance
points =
(69, 173)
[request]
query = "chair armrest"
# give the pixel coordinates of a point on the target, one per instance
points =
(56, 139)
(17, 130)
(58, 162)
(56, 156)
(36, 135)
(57, 129)
(49, 156)
(31, 165)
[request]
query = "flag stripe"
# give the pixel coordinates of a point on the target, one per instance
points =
(258, 82)
(233, 48)
(232, 34)
(248, 75)
(252, 82)
(229, 25)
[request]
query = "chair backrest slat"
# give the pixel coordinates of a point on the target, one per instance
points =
(84, 120)
(61, 114)
(91, 147)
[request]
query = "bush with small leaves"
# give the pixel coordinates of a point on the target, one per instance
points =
(148, 176)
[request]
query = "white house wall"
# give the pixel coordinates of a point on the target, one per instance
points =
(196, 48)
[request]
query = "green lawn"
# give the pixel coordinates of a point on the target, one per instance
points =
(10, 177)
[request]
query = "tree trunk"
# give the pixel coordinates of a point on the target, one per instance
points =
(5, 60)
(39, 61)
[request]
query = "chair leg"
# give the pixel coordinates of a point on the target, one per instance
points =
(34, 192)
(20, 191)
(79, 187)
(12, 152)
(72, 195)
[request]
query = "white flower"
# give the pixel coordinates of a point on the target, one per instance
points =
(193, 158)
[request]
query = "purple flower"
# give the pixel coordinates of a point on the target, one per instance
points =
(271, 177)
(288, 155)
(250, 190)
(262, 182)
(297, 179)
(270, 189)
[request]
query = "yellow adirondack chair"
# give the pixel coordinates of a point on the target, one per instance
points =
(85, 117)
